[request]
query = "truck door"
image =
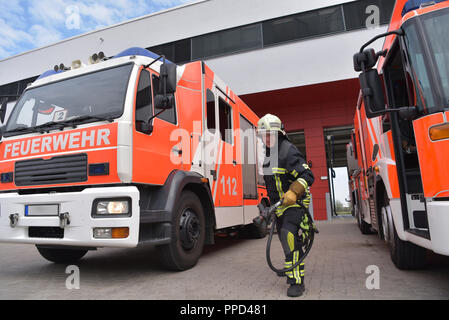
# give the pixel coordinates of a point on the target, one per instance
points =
(211, 143)
(228, 189)
(229, 175)
(152, 148)
(398, 80)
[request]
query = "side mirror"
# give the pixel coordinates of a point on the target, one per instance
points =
(146, 127)
(372, 92)
(168, 82)
(164, 102)
(365, 60)
(3, 109)
(165, 98)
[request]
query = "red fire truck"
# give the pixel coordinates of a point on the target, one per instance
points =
(401, 136)
(124, 151)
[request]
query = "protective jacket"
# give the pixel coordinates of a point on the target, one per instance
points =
(290, 166)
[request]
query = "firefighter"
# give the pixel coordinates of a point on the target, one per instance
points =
(287, 177)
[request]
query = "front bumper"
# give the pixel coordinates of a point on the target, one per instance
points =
(438, 217)
(78, 205)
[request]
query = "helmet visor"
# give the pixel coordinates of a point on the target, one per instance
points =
(268, 137)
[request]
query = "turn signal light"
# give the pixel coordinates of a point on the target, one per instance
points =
(111, 233)
(439, 132)
(120, 233)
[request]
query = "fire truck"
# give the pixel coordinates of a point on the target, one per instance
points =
(401, 135)
(128, 150)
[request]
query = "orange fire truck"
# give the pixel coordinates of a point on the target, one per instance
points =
(124, 151)
(401, 137)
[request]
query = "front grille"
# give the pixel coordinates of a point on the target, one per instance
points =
(62, 169)
(45, 232)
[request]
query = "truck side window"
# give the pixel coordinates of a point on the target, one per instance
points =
(396, 81)
(144, 103)
(210, 115)
(168, 115)
(225, 114)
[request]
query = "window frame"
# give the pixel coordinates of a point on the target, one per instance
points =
(141, 71)
(231, 122)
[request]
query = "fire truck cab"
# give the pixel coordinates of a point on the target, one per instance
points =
(124, 151)
(402, 134)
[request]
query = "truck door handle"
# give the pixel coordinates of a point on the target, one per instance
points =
(234, 162)
(214, 174)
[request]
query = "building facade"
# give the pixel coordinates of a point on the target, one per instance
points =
(290, 58)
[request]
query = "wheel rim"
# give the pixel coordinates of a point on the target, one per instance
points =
(189, 228)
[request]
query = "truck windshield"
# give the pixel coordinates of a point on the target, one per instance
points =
(435, 31)
(89, 97)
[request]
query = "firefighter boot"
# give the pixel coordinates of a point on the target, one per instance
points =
(296, 290)
(295, 277)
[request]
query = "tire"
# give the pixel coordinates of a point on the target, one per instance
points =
(59, 255)
(406, 255)
(188, 234)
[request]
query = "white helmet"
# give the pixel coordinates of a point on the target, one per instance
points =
(270, 122)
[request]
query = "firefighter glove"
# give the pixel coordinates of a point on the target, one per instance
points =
(292, 195)
(289, 198)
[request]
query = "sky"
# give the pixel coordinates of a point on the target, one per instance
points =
(30, 24)
(341, 185)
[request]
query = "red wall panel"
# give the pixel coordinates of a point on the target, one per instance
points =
(311, 108)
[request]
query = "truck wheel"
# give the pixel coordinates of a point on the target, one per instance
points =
(406, 255)
(188, 234)
(58, 255)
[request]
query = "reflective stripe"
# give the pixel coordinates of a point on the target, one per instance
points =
(287, 265)
(294, 173)
(296, 270)
(279, 186)
(303, 182)
(280, 211)
(291, 241)
(279, 170)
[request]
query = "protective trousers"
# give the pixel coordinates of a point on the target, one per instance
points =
(287, 226)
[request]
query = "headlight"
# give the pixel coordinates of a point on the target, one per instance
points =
(111, 207)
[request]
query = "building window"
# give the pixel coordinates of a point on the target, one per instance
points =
(358, 13)
(168, 115)
(227, 41)
(178, 52)
(298, 139)
(303, 25)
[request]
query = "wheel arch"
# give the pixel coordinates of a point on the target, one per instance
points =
(162, 200)
(203, 193)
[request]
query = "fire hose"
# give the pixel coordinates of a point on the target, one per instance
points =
(268, 214)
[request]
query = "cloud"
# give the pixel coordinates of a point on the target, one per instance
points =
(43, 36)
(27, 24)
